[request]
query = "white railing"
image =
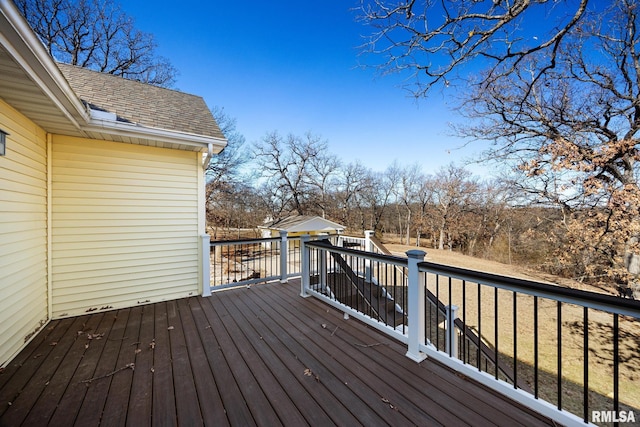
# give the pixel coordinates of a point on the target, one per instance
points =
(519, 337)
(243, 262)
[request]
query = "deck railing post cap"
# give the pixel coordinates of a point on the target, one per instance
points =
(416, 253)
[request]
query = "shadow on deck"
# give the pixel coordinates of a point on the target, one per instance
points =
(248, 356)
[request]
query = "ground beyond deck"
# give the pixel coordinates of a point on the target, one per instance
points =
(247, 356)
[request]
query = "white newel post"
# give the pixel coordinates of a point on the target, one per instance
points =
(284, 251)
(205, 248)
(416, 311)
(368, 246)
(451, 343)
(306, 268)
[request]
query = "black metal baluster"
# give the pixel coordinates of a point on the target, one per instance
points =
(228, 258)
(465, 357)
(515, 340)
(257, 259)
(395, 292)
(404, 297)
(239, 259)
(272, 253)
(585, 356)
(535, 346)
(437, 311)
(495, 335)
(450, 322)
(336, 279)
(430, 309)
(352, 287)
(559, 355)
(479, 329)
(427, 332)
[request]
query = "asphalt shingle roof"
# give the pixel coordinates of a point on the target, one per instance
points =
(141, 103)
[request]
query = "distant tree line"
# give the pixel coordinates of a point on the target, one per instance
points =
(451, 209)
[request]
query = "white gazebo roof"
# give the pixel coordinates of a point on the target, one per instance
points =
(302, 223)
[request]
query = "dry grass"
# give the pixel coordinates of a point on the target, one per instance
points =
(600, 347)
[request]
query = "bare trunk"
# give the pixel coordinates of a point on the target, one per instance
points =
(408, 235)
(494, 234)
(443, 227)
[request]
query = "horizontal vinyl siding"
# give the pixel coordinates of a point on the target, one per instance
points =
(125, 225)
(23, 232)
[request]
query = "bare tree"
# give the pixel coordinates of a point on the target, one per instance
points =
(374, 198)
(575, 132)
(424, 199)
(227, 165)
(453, 190)
(225, 178)
(352, 180)
(324, 168)
(436, 40)
(97, 34)
(561, 104)
(234, 208)
(410, 181)
(286, 165)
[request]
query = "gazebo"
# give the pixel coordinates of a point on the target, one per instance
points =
(298, 225)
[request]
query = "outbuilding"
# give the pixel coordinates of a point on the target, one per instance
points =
(298, 225)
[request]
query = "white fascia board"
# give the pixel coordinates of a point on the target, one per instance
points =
(129, 130)
(18, 38)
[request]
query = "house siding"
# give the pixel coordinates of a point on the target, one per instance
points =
(23, 232)
(124, 225)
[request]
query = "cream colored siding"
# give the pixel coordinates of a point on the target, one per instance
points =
(125, 225)
(23, 232)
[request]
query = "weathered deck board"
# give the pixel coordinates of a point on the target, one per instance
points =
(207, 392)
(97, 392)
(88, 349)
(242, 357)
(350, 386)
(411, 383)
(117, 401)
(140, 403)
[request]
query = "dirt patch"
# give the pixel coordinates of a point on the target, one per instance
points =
(456, 259)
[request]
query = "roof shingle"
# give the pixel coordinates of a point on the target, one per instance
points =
(141, 103)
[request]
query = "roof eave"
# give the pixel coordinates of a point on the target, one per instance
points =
(135, 131)
(19, 39)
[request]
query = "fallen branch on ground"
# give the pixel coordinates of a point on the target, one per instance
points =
(369, 345)
(127, 366)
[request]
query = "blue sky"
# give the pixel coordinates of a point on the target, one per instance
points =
(292, 67)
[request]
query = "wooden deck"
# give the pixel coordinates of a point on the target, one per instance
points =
(242, 357)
